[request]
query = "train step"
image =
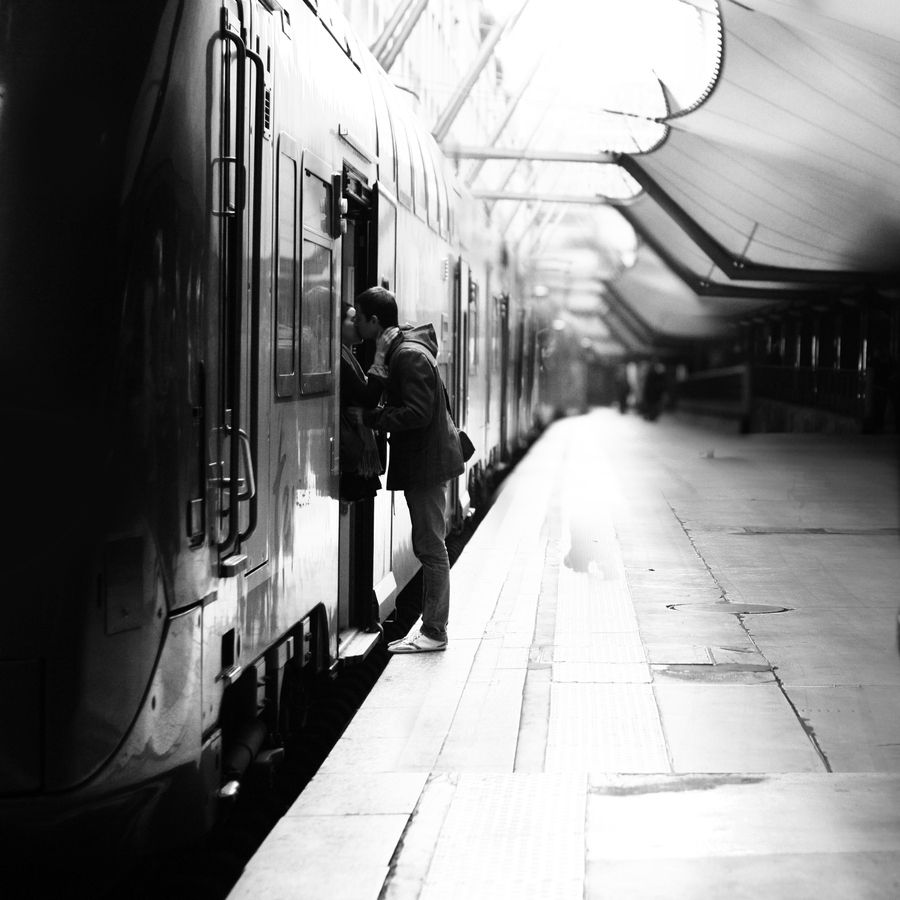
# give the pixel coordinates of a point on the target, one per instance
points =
(355, 645)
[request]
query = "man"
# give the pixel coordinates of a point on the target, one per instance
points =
(425, 450)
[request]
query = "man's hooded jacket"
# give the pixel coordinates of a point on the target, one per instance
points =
(424, 441)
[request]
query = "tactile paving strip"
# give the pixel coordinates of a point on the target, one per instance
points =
(596, 672)
(515, 836)
(610, 648)
(586, 604)
(605, 728)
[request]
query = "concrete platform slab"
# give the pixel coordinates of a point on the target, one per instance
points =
(511, 836)
(733, 728)
(581, 738)
(851, 726)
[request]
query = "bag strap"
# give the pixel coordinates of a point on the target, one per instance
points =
(447, 401)
(466, 447)
(413, 345)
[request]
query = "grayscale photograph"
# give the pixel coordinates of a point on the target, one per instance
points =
(453, 449)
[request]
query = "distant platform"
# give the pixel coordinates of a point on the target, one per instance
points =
(672, 673)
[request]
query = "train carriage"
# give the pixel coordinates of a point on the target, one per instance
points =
(190, 190)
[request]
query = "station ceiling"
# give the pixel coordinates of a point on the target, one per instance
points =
(770, 177)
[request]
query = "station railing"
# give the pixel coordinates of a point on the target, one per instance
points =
(729, 392)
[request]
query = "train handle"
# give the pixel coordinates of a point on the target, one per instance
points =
(243, 488)
(250, 493)
(235, 288)
(255, 256)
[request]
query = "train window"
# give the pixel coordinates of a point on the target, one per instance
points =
(443, 210)
(418, 166)
(317, 282)
(404, 163)
(451, 214)
(431, 185)
(316, 319)
(387, 156)
(387, 241)
(286, 279)
(316, 202)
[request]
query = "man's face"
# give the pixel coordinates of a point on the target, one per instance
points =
(369, 329)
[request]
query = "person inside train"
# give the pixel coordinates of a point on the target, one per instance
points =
(425, 449)
(360, 459)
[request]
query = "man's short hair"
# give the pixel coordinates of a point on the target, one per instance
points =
(378, 301)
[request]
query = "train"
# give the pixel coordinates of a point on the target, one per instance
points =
(190, 191)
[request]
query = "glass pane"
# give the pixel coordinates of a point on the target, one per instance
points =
(387, 160)
(285, 356)
(387, 243)
(431, 187)
(418, 174)
(316, 203)
(315, 315)
(404, 170)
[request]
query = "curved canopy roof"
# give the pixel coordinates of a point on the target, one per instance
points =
(769, 174)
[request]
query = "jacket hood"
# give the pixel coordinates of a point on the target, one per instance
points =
(421, 334)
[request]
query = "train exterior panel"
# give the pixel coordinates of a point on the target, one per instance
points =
(179, 228)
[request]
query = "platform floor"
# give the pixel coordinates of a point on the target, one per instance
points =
(606, 723)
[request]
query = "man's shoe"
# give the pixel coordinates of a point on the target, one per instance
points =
(416, 643)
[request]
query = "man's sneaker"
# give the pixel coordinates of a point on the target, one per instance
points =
(416, 643)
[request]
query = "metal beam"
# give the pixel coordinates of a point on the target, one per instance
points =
(511, 108)
(538, 125)
(543, 231)
(535, 230)
(527, 189)
(520, 197)
(570, 156)
(388, 55)
(390, 28)
(464, 88)
(532, 229)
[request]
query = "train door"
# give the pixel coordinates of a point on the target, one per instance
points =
(357, 614)
(238, 172)
(237, 309)
(256, 358)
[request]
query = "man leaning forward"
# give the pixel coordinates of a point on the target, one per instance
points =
(425, 451)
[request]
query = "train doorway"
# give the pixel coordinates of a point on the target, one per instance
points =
(358, 618)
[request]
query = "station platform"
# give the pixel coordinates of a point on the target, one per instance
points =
(672, 673)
